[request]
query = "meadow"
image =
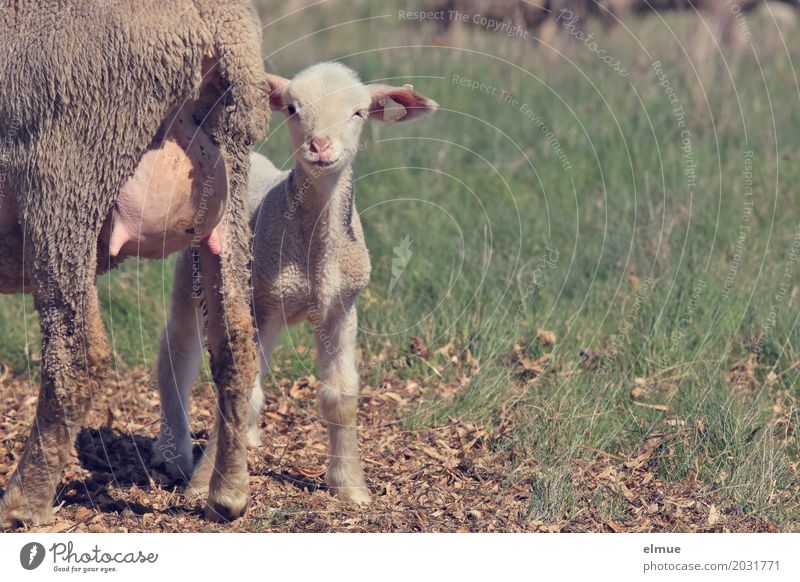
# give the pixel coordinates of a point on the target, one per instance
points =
(597, 265)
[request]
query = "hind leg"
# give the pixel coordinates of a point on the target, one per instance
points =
(230, 344)
(179, 355)
(268, 335)
(75, 357)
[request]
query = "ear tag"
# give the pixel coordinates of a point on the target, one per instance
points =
(393, 111)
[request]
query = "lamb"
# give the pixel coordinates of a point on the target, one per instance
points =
(92, 99)
(310, 263)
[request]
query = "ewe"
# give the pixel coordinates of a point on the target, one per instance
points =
(97, 97)
(310, 263)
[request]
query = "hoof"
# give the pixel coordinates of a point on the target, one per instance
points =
(225, 512)
(355, 496)
(199, 483)
(15, 518)
(191, 491)
(254, 438)
(178, 467)
(346, 482)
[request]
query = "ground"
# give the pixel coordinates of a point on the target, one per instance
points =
(448, 478)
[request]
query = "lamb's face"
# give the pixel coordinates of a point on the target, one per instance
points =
(326, 107)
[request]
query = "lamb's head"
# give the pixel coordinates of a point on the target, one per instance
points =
(326, 106)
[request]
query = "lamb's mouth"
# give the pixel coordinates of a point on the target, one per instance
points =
(325, 163)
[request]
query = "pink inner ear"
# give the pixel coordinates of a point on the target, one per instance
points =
(276, 100)
(415, 103)
(276, 86)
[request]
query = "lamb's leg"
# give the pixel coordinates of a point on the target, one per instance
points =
(254, 416)
(226, 290)
(268, 335)
(336, 358)
(179, 355)
(75, 358)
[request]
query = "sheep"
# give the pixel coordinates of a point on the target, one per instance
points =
(310, 263)
(92, 97)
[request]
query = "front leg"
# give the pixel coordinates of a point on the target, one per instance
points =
(336, 358)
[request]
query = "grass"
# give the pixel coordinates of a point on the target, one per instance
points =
(681, 285)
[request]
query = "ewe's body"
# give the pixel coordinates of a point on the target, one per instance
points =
(310, 263)
(86, 89)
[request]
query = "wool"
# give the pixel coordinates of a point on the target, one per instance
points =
(310, 262)
(84, 90)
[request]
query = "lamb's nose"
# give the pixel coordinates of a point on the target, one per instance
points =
(320, 144)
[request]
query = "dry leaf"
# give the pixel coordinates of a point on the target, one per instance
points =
(418, 348)
(530, 367)
(447, 350)
(660, 407)
(548, 338)
(311, 473)
(713, 515)
(639, 388)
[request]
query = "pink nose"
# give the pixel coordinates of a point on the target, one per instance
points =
(322, 147)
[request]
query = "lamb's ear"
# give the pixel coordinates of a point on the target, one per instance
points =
(390, 104)
(275, 86)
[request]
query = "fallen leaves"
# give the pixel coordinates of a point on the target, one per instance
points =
(312, 473)
(530, 368)
(455, 476)
(304, 388)
(547, 338)
(639, 388)
(650, 503)
(645, 451)
(713, 515)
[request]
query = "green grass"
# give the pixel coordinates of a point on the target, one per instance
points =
(481, 194)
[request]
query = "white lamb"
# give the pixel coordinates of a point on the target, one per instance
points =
(310, 263)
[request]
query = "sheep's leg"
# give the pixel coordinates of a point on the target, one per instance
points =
(225, 280)
(256, 403)
(75, 358)
(179, 355)
(268, 335)
(336, 358)
(226, 276)
(267, 340)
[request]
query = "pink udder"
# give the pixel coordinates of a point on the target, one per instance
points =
(175, 198)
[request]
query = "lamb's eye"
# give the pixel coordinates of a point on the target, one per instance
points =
(362, 113)
(290, 109)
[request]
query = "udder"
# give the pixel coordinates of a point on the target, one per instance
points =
(174, 199)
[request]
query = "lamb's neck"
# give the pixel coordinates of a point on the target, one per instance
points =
(324, 202)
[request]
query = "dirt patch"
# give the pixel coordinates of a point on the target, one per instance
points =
(453, 477)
